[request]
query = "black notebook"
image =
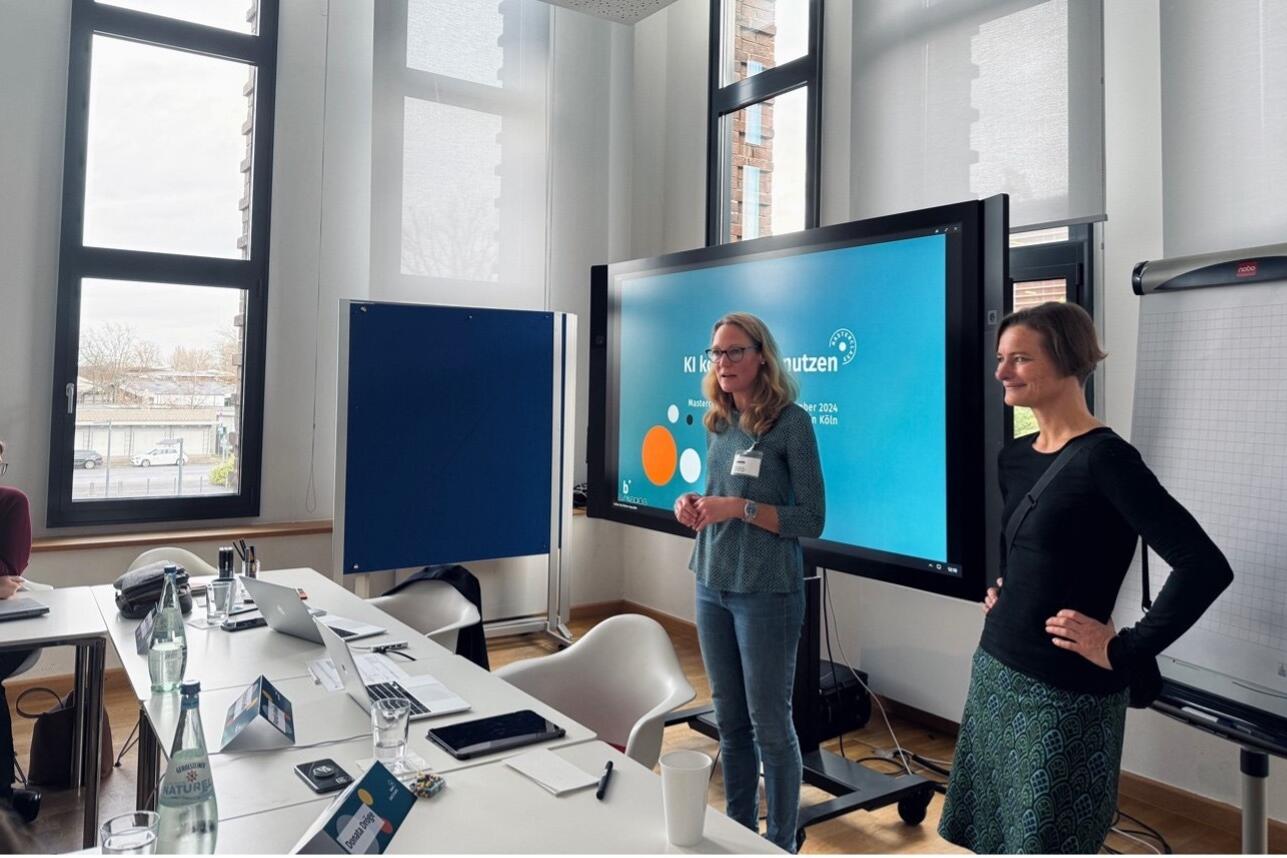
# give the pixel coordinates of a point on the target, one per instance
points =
(481, 736)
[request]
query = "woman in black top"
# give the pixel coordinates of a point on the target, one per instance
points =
(1037, 757)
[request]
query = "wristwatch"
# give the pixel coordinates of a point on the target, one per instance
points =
(750, 511)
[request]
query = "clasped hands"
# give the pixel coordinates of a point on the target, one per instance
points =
(1072, 630)
(9, 585)
(698, 511)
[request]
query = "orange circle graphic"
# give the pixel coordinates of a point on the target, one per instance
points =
(660, 455)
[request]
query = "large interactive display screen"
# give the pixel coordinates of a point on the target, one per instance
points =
(880, 322)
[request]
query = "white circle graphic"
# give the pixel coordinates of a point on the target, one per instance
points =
(672, 414)
(690, 465)
(844, 342)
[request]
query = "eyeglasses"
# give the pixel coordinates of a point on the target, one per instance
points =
(734, 354)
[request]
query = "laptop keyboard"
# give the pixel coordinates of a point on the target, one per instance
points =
(385, 690)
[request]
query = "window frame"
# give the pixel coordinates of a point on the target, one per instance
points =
(78, 262)
(1072, 259)
(805, 71)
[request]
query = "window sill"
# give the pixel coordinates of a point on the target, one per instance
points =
(171, 537)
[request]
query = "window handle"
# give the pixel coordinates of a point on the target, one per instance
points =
(71, 397)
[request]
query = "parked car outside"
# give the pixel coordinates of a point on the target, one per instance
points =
(86, 459)
(158, 456)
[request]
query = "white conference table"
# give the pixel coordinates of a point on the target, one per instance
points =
(234, 659)
(223, 659)
(334, 724)
(493, 809)
(487, 807)
(73, 620)
(251, 781)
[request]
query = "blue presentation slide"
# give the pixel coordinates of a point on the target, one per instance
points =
(863, 330)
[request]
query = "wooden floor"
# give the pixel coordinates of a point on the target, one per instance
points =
(59, 827)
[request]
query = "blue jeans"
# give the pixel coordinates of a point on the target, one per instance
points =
(749, 648)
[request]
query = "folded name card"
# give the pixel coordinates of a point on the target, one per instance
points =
(143, 633)
(260, 703)
(362, 820)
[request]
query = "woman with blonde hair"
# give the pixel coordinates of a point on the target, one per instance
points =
(764, 491)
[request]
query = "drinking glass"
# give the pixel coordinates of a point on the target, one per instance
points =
(218, 596)
(390, 718)
(132, 833)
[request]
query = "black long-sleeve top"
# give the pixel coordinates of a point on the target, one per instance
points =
(1074, 550)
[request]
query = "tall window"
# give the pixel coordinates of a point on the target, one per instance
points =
(458, 145)
(163, 266)
(766, 71)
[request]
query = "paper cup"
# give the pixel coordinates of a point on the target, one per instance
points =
(685, 776)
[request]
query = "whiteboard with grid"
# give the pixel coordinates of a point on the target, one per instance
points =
(1210, 420)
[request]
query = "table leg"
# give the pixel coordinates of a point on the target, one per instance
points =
(80, 724)
(86, 772)
(1255, 816)
(149, 759)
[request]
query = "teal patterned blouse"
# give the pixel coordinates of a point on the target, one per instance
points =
(743, 558)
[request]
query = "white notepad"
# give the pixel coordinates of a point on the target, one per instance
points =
(551, 771)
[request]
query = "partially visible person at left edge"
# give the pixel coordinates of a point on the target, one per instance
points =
(15, 551)
(1040, 744)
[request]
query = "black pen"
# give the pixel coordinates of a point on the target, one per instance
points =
(603, 782)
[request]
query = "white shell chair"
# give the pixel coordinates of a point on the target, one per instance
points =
(433, 608)
(620, 679)
(171, 554)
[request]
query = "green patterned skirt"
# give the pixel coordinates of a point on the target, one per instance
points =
(1036, 766)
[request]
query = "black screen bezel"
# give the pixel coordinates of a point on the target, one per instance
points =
(972, 250)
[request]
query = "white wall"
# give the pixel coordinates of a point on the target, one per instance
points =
(33, 63)
(917, 646)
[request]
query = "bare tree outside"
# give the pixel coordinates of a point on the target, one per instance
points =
(110, 354)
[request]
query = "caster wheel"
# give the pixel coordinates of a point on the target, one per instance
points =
(912, 809)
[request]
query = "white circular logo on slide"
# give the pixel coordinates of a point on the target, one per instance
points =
(672, 414)
(845, 344)
(690, 465)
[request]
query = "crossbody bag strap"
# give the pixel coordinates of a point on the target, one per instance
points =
(1070, 451)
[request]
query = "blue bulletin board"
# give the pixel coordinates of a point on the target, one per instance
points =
(446, 432)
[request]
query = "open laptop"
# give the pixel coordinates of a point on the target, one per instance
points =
(436, 700)
(21, 608)
(285, 612)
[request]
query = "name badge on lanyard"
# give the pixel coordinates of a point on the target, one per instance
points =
(747, 464)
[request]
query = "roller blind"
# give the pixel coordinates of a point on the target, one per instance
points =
(960, 99)
(1224, 124)
(459, 160)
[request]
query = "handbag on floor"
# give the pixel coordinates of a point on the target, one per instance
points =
(51, 740)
